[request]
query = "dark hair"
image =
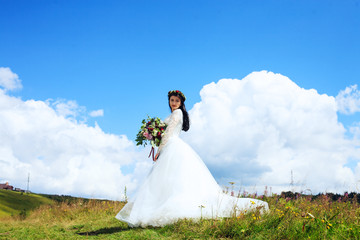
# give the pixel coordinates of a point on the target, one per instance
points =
(186, 120)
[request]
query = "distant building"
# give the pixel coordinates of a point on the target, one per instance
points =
(6, 186)
(19, 190)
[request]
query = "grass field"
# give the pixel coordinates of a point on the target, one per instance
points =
(16, 203)
(290, 217)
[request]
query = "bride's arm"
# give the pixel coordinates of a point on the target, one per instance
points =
(175, 118)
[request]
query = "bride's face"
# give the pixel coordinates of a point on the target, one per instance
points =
(174, 102)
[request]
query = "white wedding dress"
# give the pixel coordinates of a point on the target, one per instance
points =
(179, 186)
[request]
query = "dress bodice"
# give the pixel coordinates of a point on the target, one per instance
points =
(174, 125)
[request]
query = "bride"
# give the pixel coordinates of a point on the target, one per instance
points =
(179, 184)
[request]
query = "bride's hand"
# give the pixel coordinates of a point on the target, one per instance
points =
(156, 157)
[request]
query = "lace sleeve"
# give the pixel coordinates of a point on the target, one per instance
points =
(175, 118)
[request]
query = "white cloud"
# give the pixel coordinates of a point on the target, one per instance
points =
(69, 109)
(97, 113)
(255, 131)
(61, 155)
(348, 100)
(9, 80)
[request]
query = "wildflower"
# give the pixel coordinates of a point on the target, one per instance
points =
(252, 202)
(311, 215)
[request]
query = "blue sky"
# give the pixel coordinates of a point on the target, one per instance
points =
(123, 56)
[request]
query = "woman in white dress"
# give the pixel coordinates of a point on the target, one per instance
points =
(179, 184)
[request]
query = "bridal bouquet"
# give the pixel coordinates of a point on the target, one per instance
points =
(151, 130)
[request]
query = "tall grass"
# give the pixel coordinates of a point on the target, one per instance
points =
(294, 217)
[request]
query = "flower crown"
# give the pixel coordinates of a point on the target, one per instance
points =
(177, 92)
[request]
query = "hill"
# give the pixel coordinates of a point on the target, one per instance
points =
(15, 203)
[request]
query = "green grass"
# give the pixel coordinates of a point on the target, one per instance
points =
(302, 217)
(15, 203)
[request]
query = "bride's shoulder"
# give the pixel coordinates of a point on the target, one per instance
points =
(177, 111)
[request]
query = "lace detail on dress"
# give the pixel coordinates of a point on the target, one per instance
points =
(174, 126)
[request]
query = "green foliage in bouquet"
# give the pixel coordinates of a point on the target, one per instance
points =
(151, 130)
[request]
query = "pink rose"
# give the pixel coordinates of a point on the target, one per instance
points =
(147, 135)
